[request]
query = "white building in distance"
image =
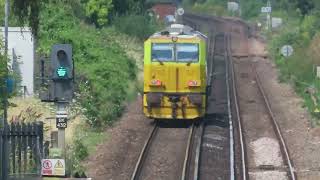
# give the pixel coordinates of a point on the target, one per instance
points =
(21, 50)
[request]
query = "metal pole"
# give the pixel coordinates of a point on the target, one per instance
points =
(269, 17)
(5, 93)
(240, 13)
(61, 107)
(5, 153)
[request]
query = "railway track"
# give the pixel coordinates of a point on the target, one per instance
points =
(215, 154)
(183, 138)
(210, 139)
(269, 129)
(222, 147)
(284, 148)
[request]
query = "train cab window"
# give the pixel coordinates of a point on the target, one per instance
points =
(162, 52)
(187, 52)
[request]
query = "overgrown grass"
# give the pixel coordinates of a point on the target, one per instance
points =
(140, 26)
(85, 141)
(299, 69)
(209, 7)
(92, 138)
(103, 70)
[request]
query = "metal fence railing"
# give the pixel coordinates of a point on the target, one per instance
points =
(21, 149)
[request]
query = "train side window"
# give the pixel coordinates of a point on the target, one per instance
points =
(163, 52)
(187, 52)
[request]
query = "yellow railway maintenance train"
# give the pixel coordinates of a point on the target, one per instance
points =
(175, 74)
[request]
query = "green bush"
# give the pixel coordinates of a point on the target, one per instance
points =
(210, 7)
(3, 61)
(81, 151)
(298, 69)
(102, 69)
(75, 154)
(136, 25)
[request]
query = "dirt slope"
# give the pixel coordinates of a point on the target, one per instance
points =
(115, 158)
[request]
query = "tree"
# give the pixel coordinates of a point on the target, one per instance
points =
(305, 6)
(98, 11)
(28, 11)
(3, 66)
(123, 7)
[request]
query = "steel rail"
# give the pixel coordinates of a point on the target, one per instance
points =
(231, 136)
(143, 154)
(276, 126)
(187, 159)
(238, 118)
(198, 153)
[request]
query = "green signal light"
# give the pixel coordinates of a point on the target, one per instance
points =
(62, 72)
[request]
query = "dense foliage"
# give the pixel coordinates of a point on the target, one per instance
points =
(299, 69)
(3, 65)
(301, 29)
(103, 71)
(28, 11)
(98, 12)
(252, 8)
(139, 26)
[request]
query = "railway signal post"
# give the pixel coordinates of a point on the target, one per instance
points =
(62, 88)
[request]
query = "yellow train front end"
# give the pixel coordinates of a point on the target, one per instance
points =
(175, 75)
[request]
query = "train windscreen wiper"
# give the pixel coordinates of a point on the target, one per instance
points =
(154, 57)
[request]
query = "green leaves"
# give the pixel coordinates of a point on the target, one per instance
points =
(136, 25)
(27, 11)
(98, 11)
(103, 71)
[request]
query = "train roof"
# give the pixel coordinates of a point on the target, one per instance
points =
(180, 31)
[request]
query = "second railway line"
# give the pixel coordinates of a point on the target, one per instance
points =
(267, 155)
(260, 149)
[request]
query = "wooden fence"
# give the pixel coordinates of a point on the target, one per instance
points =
(21, 149)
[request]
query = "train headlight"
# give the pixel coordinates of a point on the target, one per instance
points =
(155, 82)
(193, 83)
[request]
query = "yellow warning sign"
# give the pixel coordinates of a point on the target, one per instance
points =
(316, 110)
(59, 164)
(53, 167)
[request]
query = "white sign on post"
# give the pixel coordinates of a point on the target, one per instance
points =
(266, 9)
(233, 6)
(53, 167)
(286, 50)
(180, 11)
(318, 71)
(276, 22)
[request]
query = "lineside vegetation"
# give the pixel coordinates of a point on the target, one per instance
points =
(301, 29)
(105, 74)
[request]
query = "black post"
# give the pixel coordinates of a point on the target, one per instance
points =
(1, 152)
(42, 71)
(19, 142)
(29, 144)
(24, 146)
(40, 134)
(5, 154)
(13, 147)
(39, 145)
